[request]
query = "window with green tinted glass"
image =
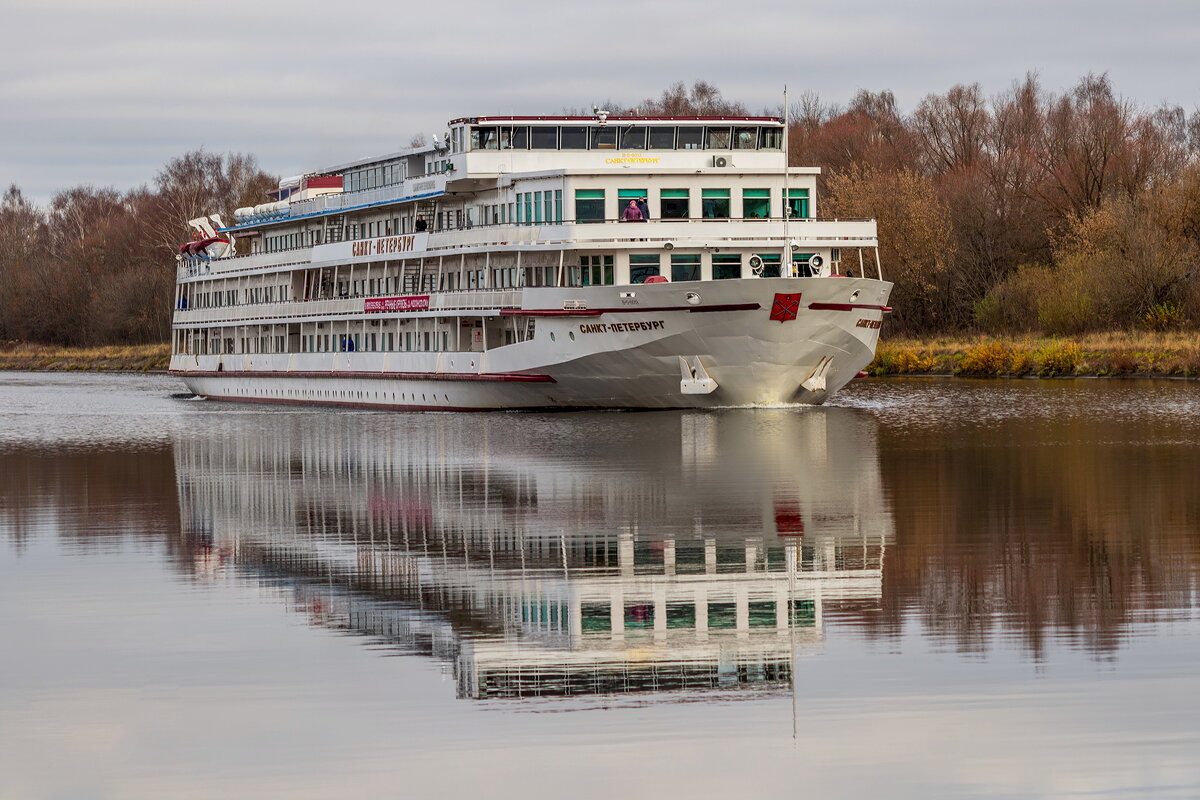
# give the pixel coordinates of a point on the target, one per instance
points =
(771, 263)
(685, 267)
(756, 203)
(589, 205)
(722, 615)
(674, 204)
(639, 196)
(642, 267)
(715, 203)
(639, 617)
(798, 202)
(681, 615)
(762, 614)
(596, 617)
(726, 266)
(800, 265)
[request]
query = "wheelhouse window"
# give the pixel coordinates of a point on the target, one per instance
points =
(642, 266)
(690, 138)
(685, 267)
(661, 138)
(485, 138)
(726, 266)
(715, 203)
(770, 138)
(574, 137)
(756, 203)
(514, 138)
(604, 138)
(745, 138)
(717, 138)
(633, 137)
(674, 204)
(589, 205)
(543, 137)
(797, 203)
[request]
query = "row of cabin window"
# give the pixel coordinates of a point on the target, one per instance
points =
(373, 177)
(677, 203)
(625, 137)
(388, 341)
(597, 617)
(725, 266)
(385, 342)
(538, 207)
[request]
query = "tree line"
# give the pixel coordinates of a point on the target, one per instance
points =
(1032, 210)
(97, 266)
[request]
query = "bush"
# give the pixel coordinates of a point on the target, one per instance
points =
(1058, 358)
(893, 360)
(989, 359)
(1164, 316)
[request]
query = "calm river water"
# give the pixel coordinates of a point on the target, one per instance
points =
(926, 589)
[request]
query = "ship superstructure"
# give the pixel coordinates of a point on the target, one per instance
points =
(537, 262)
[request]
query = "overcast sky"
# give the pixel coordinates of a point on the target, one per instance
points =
(104, 92)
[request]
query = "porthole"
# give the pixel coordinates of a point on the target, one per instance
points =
(571, 334)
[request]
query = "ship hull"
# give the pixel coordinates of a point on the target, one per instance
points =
(751, 342)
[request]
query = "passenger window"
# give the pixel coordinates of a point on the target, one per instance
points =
(642, 267)
(674, 204)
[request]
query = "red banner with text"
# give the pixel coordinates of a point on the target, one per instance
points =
(409, 303)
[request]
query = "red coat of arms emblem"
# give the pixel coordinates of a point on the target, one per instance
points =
(785, 307)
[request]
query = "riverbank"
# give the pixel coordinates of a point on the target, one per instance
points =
(1101, 355)
(124, 358)
(1114, 354)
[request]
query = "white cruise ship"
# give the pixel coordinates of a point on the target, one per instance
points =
(537, 262)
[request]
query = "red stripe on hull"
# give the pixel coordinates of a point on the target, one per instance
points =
(847, 307)
(595, 312)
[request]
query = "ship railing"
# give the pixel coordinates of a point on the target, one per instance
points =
(279, 258)
(418, 185)
(830, 232)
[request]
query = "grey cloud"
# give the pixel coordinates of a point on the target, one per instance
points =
(105, 93)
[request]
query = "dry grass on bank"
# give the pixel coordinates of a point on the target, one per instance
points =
(1115, 353)
(126, 358)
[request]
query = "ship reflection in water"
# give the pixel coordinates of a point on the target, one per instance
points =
(556, 556)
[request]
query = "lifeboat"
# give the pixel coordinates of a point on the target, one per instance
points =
(207, 248)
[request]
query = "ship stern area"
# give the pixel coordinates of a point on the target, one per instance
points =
(750, 342)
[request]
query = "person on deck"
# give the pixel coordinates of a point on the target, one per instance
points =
(644, 207)
(632, 213)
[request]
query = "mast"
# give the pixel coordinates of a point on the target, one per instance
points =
(786, 259)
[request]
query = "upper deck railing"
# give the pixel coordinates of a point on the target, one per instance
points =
(681, 234)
